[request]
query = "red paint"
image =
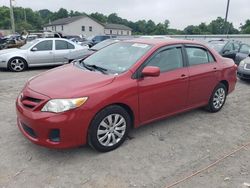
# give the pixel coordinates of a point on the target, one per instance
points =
(149, 98)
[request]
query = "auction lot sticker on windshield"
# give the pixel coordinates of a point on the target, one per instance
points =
(138, 45)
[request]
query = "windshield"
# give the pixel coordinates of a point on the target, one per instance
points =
(28, 45)
(218, 46)
(118, 57)
(103, 44)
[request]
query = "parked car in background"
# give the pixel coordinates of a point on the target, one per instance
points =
(39, 52)
(243, 53)
(31, 37)
(99, 38)
(244, 69)
(122, 86)
(94, 49)
(234, 50)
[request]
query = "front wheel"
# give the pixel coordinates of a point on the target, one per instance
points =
(218, 98)
(17, 64)
(109, 128)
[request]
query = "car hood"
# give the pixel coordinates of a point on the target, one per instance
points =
(7, 51)
(68, 81)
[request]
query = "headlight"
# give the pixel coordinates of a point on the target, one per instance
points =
(62, 105)
(242, 63)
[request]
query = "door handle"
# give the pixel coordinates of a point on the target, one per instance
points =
(183, 76)
(215, 68)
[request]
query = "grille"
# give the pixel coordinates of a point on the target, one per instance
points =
(30, 102)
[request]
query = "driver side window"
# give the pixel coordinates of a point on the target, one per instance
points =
(167, 60)
(44, 45)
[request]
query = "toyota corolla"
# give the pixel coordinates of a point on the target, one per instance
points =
(97, 100)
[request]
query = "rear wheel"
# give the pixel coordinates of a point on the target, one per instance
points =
(17, 64)
(218, 98)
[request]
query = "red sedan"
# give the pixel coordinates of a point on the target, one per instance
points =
(126, 85)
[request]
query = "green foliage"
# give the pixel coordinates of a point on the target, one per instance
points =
(245, 29)
(27, 19)
(217, 26)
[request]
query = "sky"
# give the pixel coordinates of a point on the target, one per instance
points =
(180, 13)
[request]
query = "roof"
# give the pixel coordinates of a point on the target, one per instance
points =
(162, 42)
(64, 21)
(116, 26)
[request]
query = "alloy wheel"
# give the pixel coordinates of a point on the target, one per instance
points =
(219, 98)
(111, 130)
(17, 65)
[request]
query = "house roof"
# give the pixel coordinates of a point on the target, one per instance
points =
(69, 20)
(116, 26)
(64, 21)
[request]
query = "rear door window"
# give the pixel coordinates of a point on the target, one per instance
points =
(63, 45)
(197, 56)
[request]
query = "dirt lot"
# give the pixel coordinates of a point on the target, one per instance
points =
(156, 155)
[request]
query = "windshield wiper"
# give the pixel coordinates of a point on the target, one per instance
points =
(85, 65)
(101, 69)
(93, 67)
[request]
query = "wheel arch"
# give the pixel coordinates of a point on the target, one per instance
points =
(20, 57)
(225, 83)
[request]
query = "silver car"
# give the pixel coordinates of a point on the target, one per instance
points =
(40, 52)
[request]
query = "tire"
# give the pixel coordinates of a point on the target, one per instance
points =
(17, 64)
(103, 135)
(217, 99)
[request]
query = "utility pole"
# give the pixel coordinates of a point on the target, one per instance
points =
(12, 18)
(25, 17)
(225, 23)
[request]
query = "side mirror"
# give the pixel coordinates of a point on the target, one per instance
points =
(34, 49)
(151, 71)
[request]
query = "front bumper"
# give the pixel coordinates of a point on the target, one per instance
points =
(243, 73)
(63, 130)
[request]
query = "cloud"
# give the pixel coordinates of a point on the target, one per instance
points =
(181, 13)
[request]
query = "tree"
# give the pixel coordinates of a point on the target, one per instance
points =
(245, 29)
(100, 17)
(192, 30)
(219, 26)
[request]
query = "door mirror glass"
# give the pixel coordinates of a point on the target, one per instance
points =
(151, 71)
(34, 49)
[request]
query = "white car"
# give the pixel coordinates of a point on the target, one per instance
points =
(40, 52)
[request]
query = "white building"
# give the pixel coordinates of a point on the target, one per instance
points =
(86, 26)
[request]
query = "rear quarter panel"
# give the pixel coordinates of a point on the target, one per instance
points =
(228, 72)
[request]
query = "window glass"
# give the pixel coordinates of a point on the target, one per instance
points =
(245, 49)
(118, 57)
(197, 56)
(63, 45)
(229, 47)
(44, 45)
(210, 57)
(83, 28)
(90, 28)
(167, 60)
(236, 46)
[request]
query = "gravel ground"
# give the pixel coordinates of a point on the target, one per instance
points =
(155, 155)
